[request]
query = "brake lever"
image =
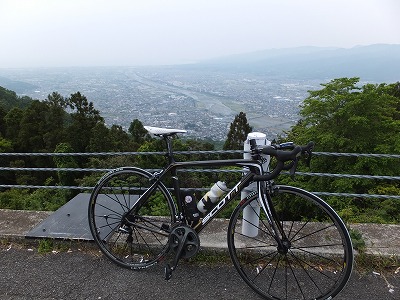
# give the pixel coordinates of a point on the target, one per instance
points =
(292, 171)
(308, 153)
(308, 159)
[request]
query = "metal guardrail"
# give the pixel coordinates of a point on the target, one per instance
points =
(18, 169)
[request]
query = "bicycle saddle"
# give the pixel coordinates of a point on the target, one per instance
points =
(163, 131)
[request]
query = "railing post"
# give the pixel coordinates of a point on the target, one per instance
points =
(251, 213)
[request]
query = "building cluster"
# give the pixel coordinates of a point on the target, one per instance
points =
(202, 101)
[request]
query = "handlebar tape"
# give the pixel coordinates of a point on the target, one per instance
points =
(282, 156)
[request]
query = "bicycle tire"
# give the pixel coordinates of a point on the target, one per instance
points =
(319, 259)
(132, 240)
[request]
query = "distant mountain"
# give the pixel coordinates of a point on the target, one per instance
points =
(380, 62)
(19, 87)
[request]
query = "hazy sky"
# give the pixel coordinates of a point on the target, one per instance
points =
(46, 33)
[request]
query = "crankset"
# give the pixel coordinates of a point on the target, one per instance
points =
(184, 242)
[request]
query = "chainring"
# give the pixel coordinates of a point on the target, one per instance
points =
(185, 238)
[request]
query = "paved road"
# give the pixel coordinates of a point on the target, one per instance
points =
(25, 274)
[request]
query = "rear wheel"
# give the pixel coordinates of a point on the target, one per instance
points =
(132, 233)
(316, 256)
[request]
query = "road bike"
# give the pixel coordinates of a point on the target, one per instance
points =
(285, 242)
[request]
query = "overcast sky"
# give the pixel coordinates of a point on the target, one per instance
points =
(49, 33)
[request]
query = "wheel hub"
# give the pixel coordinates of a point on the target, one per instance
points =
(284, 248)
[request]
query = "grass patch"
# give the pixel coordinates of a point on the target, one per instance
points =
(366, 263)
(54, 245)
(209, 257)
(357, 240)
(45, 246)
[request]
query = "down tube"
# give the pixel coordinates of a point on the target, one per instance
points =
(224, 201)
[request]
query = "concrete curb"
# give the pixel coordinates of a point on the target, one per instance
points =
(380, 239)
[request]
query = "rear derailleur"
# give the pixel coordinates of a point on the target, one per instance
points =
(184, 243)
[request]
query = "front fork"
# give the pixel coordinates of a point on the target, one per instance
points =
(265, 191)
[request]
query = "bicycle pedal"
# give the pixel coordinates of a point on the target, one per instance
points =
(168, 272)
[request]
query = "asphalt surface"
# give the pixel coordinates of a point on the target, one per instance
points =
(87, 274)
(84, 273)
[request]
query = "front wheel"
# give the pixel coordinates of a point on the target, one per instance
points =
(132, 233)
(315, 258)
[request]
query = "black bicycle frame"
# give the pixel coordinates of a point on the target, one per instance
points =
(254, 168)
(173, 167)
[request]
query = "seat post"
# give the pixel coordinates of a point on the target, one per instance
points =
(174, 176)
(170, 153)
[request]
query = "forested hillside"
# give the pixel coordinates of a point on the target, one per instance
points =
(65, 124)
(343, 116)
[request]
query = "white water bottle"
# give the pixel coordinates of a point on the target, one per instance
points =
(212, 196)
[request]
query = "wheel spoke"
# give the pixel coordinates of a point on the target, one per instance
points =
(312, 261)
(139, 238)
(310, 234)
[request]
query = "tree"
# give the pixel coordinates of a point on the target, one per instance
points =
(65, 178)
(138, 133)
(238, 131)
(5, 146)
(56, 100)
(121, 141)
(33, 127)
(346, 117)
(56, 120)
(12, 121)
(2, 121)
(84, 118)
(343, 117)
(83, 107)
(100, 140)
